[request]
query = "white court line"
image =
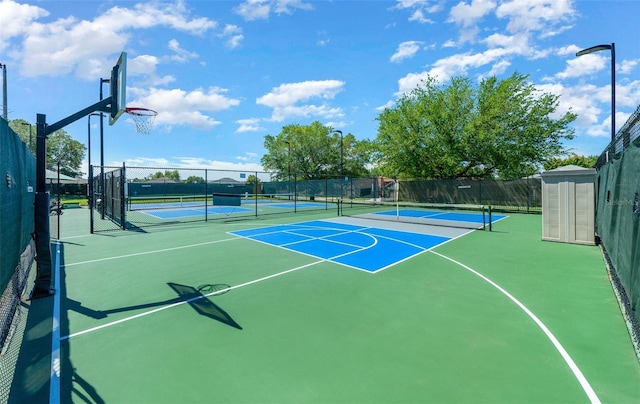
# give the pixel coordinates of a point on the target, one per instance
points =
(54, 379)
(150, 252)
(593, 397)
(188, 301)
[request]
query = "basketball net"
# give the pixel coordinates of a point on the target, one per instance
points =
(143, 118)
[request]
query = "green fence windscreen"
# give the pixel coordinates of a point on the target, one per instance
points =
(618, 219)
(17, 190)
(17, 250)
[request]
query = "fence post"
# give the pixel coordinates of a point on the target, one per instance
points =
(206, 195)
(90, 199)
(123, 197)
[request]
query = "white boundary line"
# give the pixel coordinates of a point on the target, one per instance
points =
(54, 380)
(593, 397)
(188, 301)
(150, 252)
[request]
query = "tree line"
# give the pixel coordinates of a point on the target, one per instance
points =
(464, 129)
(493, 129)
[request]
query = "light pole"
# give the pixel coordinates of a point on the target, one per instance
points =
(341, 152)
(89, 176)
(4, 92)
(341, 161)
(611, 47)
(102, 81)
(30, 132)
(89, 137)
(288, 166)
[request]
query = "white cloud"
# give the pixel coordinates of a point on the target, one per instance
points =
(15, 19)
(181, 55)
(188, 162)
(535, 15)
(627, 66)
(233, 35)
(468, 14)
(568, 50)
(88, 48)
(419, 9)
(248, 156)
(627, 94)
(283, 99)
(413, 80)
(252, 10)
(178, 107)
(499, 68)
(583, 65)
(406, 50)
(249, 125)
(145, 66)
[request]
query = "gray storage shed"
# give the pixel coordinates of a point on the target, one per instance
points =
(568, 205)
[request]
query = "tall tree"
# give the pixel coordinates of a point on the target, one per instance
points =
(61, 147)
(501, 128)
(314, 151)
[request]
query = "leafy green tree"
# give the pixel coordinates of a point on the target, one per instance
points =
(194, 178)
(256, 184)
(61, 147)
(313, 152)
(498, 128)
(170, 174)
(574, 159)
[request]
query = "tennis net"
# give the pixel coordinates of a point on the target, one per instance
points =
(167, 202)
(449, 215)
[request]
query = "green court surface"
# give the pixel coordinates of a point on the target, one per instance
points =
(488, 317)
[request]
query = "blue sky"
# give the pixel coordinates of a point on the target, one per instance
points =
(223, 74)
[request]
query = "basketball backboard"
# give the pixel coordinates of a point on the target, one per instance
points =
(118, 88)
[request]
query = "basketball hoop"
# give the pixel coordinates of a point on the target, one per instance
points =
(143, 118)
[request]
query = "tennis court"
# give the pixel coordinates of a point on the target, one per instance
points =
(316, 308)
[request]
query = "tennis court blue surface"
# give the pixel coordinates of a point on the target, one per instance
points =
(186, 212)
(454, 216)
(369, 249)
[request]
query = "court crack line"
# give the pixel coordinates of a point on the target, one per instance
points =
(593, 397)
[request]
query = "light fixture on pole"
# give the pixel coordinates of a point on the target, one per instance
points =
(612, 48)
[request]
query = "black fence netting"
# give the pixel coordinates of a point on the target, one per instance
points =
(139, 197)
(17, 250)
(516, 195)
(618, 218)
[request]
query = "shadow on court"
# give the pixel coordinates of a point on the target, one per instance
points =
(193, 296)
(203, 305)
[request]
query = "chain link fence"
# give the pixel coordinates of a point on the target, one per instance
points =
(140, 197)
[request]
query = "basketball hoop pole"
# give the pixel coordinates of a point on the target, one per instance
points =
(42, 233)
(41, 209)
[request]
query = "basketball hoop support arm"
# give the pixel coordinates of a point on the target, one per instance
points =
(41, 209)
